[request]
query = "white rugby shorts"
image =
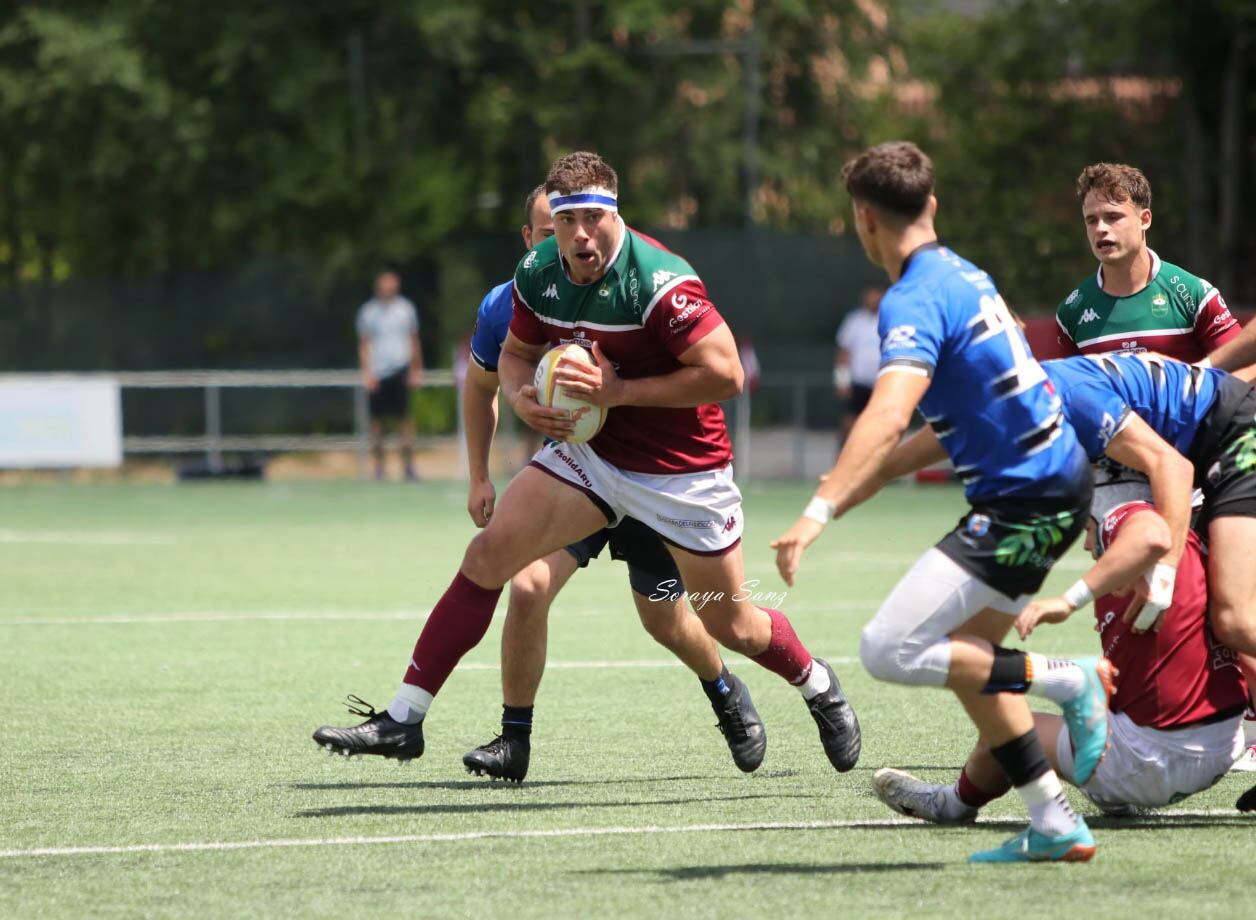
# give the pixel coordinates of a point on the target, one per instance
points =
(1151, 767)
(698, 512)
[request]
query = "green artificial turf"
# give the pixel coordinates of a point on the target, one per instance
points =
(167, 649)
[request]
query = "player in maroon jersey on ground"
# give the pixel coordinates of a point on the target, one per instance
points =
(1174, 725)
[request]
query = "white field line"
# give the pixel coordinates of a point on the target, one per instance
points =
(280, 843)
(87, 537)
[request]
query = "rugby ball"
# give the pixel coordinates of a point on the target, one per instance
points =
(589, 418)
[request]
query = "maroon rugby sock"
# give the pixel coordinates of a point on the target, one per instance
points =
(973, 795)
(456, 625)
(785, 654)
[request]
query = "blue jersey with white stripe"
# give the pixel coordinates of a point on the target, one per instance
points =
(988, 401)
(1100, 391)
(492, 322)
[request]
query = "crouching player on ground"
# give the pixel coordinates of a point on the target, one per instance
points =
(669, 621)
(949, 344)
(1175, 726)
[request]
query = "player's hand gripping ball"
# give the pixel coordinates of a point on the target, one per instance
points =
(588, 417)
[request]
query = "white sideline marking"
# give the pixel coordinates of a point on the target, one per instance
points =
(88, 537)
(212, 617)
(517, 835)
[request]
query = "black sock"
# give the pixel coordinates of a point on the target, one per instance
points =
(517, 722)
(1022, 759)
(1008, 674)
(719, 688)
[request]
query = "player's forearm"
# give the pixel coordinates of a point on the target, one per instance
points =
(416, 355)
(1139, 545)
(364, 357)
(514, 372)
(1237, 353)
(479, 420)
(684, 388)
(1172, 480)
(860, 470)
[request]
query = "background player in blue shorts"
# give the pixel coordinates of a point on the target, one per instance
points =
(949, 345)
(533, 590)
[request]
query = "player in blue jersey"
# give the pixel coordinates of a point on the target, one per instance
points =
(1207, 417)
(663, 612)
(949, 345)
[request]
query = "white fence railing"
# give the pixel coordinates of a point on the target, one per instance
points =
(790, 449)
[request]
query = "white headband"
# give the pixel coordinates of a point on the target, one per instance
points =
(593, 197)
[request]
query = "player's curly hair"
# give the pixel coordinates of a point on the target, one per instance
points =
(896, 177)
(531, 203)
(580, 170)
(1115, 182)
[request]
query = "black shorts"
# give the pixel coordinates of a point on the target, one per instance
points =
(1224, 453)
(859, 396)
(391, 398)
(651, 568)
(1011, 544)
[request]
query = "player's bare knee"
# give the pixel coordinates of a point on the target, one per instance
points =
(664, 624)
(482, 561)
(737, 634)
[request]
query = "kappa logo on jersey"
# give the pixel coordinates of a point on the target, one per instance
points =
(551, 292)
(660, 278)
(1088, 316)
(1072, 298)
(900, 337)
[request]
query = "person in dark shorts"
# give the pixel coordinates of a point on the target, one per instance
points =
(391, 363)
(858, 357)
(950, 346)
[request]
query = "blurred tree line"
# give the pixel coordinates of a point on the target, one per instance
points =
(141, 138)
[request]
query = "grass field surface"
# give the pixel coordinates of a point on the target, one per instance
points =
(167, 650)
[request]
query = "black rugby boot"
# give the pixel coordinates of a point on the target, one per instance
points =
(741, 726)
(502, 758)
(380, 734)
(839, 729)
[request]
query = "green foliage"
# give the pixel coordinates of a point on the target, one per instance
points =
(141, 136)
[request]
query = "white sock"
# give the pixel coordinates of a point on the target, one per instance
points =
(953, 807)
(817, 681)
(1058, 679)
(1049, 810)
(410, 704)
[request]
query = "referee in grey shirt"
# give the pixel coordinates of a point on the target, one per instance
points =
(391, 363)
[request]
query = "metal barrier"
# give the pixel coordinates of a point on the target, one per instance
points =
(793, 443)
(214, 443)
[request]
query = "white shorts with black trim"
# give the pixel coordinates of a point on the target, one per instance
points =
(697, 512)
(1151, 767)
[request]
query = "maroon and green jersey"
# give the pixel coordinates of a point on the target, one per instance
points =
(1176, 314)
(648, 309)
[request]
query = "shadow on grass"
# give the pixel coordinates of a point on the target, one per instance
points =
(698, 873)
(457, 785)
(458, 808)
